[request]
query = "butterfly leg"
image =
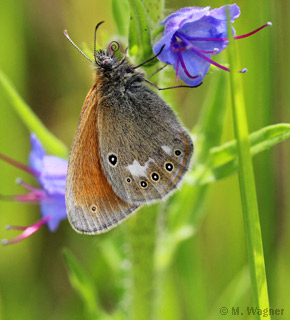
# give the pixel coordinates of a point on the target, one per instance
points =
(158, 70)
(141, 64)
(181, 86)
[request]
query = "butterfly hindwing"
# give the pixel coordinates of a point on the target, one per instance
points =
(145, 151)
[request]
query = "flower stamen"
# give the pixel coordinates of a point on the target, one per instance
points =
(33, 198)
(27, 186)
(176, 48)
(184, 67)
(268, 24)
(199, 53)
(27, 231)
(18, 165)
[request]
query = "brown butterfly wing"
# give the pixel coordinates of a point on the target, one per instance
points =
(152, 148)
(92, 205)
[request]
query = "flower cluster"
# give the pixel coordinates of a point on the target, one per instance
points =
(50, 172)
(192, 35)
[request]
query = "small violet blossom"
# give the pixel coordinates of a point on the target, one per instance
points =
(50, 172)
(192, 35)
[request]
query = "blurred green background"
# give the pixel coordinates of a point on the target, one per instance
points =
(209, 270)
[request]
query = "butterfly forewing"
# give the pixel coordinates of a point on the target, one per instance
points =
(92, 205)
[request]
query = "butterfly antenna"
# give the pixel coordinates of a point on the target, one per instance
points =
(122, 60)
(95, 40)
(114, 46)
(141, 64)
(70, 40)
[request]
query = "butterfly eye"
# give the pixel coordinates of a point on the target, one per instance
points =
(177, 153)
(135, 85)
(155, 176)
(169, 166)
(144, 184)
(113, 159)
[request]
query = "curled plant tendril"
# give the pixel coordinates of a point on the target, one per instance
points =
(114, 46)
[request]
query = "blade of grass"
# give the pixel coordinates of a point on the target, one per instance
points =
(247, 186)
(222, 161)
(32, 122)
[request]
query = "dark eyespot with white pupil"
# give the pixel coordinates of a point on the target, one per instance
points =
(177, 153)
(93, 208)
(143, 184)
(128, 180)
(169, 166)
(113, 159)
(155, 176)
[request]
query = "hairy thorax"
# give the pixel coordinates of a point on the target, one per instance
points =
(113, 75)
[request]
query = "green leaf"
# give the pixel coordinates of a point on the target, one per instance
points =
(83, 285)
(222, 160)
(139, 32)
(154, 9)
(51, 143)
(120, 9)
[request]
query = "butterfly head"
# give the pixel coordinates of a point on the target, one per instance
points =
(106, 60)
(115, 70)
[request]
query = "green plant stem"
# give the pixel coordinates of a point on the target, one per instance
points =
(247, 187)
(142, 228)
(32, 122)
(142, 241)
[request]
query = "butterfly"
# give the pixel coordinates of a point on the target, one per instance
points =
(129, 148)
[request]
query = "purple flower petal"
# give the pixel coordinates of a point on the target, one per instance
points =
(221, 13)
(37, 153)
(177, 19)
(54, 208)
(53, 175)
(193, 63)
(183, 12)
(206, 27)
(167, 55)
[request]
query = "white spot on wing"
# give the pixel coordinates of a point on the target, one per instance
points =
(167, 150)
(137, 170)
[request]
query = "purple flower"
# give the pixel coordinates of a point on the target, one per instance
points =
(192, 35)
(50, 172)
